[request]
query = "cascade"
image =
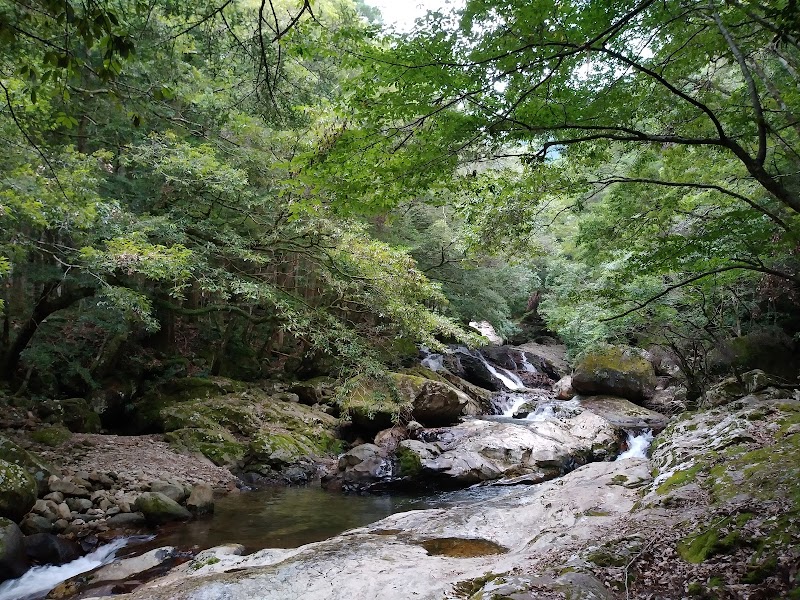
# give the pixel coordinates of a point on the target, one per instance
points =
(39, 580)
(509, 379)
(638, 444)
(527, 366)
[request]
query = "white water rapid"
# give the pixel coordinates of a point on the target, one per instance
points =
(509, 379)
(527, 366)
(637, 445)
(40, 580)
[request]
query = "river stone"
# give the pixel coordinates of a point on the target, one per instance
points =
(13, 561)
(47, 548)
(126, 520)
(364, 463)
(616, 371)
(67, 487)
(563, 388)
(157, 508)
(78, 504)
(624, 414)
(35, 524)
(18, 490)
(125, 568)
(201, 500)
(170, 490)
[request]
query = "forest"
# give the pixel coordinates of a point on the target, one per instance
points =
(212, 211)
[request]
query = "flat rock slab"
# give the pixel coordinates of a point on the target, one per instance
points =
(623, 413)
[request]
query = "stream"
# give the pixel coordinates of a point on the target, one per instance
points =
(289, 517)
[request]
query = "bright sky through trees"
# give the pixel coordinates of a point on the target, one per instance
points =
(401, 13)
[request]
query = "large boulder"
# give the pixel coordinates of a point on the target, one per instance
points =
(623, 414)
(13, 560)
(375, 405)
(18, 491)
(364, 464)
(477, 450)
(616, 371)
(201, 500)
(157, 508)
(48, 548)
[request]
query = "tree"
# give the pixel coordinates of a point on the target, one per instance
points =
(673, 124)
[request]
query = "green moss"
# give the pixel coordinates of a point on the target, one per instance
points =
(718, 539)
(696, 589)
(759, 572)
(51, 436)
(217, 445)
(679, 479)
(604, 558)
(619, 479)
(199, 564)
(410, 464)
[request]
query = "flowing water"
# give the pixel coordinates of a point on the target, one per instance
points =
(40, 580)
(638, 445)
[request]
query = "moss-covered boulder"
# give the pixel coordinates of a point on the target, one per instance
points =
(732, 388)
(320, 390)
(18, 490)
(13, 559)
(37, 468)
(217, 444)
(78, 416)
(375, 405)
(158, 508)
(617, 371)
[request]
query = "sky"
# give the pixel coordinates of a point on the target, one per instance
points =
(402, 13)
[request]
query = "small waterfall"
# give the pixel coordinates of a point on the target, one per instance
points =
(527, 366)
(40, 580)
(637, 445)
(434, 362)
(508, 403)
(509, 379)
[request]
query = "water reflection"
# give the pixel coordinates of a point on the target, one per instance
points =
(293, 516)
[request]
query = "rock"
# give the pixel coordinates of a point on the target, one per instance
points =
(572, 585)
(364, 463)
(63, 511)
(201, 500)
(472, 366)
(669, 401)
(388, 439)
(616, 371)
(563, 388)
(170, 490)
(478, 451)
(35, 524)
(79, 504)
(13, 560)
(731, 388)
(35, 466)
(42, 509)
(67, 487)
(320, 390)
(624, 414)
(488, 331)
(124, 568)
(47, 548)
(126, 520)
(158, 508)
(18, 490)
(56, 497)
(373, 405)
(79, 417)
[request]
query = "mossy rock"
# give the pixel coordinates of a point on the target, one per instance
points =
(157, 508)
(409, 462)
(721, 538)
(18, 491)
(218, 445)
(79, 417)
(237, 415)
(51, 435)
(282, 448)
(37, 468)
(617, 371)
